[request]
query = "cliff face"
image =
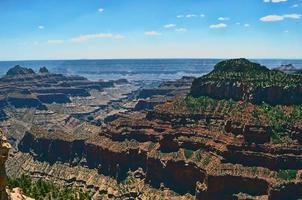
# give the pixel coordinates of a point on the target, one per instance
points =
(237, 91)
(174, 154)
(240, 79)
(4, 148)
(53, 98)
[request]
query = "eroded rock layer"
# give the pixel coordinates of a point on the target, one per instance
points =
(217, 143)
(23, 88)
(4, 148)
(176, 150)
(240, 79)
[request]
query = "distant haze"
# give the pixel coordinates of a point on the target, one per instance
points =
(134, 69)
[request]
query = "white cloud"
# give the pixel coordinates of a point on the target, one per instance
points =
(221, 25)
(247, 25)
(190, 15)
(41, 27)
(180, 30)
(55, 42)
(152, 33)
(295, 6)
(292, 16)
(286, 31)
(273, 18)
(274, 1)
(278, 1)
(223, 18)
(84, 38)
(101, 10)
(238, 23)
(169, 25)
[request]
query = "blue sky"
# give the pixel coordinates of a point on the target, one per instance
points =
(84, 29)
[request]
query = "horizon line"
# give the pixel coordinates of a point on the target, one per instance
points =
(152, 58)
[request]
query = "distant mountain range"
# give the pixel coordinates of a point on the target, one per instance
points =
(289, 68)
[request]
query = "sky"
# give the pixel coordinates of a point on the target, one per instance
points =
(109, 29)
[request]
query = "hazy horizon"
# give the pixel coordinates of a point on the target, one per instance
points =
(135, 69)
(151, 58)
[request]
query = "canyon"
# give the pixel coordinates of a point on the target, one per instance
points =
(214, 137)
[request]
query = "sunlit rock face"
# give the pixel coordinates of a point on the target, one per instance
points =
(4, 148)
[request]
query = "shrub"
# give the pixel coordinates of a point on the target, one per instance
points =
(90, 118)
(206, 160)
(188, 153)
(197, 156)
(46, 190)
(288, 174)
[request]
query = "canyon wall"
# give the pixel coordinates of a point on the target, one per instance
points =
(237, 91)
(4, 148)
(112, 160)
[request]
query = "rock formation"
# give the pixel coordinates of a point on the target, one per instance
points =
(4, 148)
(43, 70)
(176, 154)
(17, 194)
(288, 68)
(23, 88)
(19, 71)
(240, 79)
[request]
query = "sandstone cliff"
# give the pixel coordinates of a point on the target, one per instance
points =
(4, 148)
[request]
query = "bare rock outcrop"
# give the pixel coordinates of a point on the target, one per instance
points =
(17, 194)
(4, 149)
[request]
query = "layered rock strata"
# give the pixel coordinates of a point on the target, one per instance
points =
(187, 159)
(240, 79)
(23, 88)
(4, 149)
